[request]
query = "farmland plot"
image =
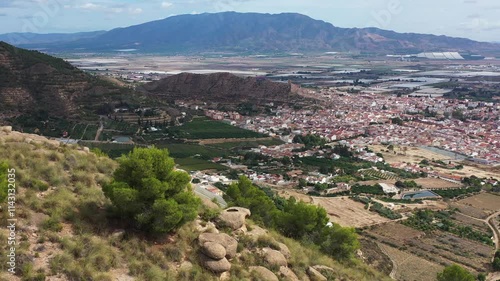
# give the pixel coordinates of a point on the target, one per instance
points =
(347, 212)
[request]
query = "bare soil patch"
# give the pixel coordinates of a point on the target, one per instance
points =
(487, 202)
(347, 212)
(434, 183)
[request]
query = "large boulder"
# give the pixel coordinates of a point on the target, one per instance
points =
(287, 274)
(264, 273)
(274, 258)
(284, 250)
(216, 266)
(214, 250)
(228, 242)
(315, 275)
(233, 217)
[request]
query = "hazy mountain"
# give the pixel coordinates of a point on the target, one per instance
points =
(35, 38)
(254, 33)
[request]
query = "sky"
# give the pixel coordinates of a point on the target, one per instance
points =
(475, 19)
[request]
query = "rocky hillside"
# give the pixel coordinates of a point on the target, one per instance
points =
(65, 233)
(258, 33)
(40, 86)
(224, 88)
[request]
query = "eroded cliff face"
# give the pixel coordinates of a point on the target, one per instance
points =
(224, 88)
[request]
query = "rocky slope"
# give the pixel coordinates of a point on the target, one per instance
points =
(65, 233)
(40, 86)
(224, 88)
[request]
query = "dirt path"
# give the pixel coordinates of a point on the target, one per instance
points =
(84, 131)
(394, 264)
(494, 228)
(99, 131)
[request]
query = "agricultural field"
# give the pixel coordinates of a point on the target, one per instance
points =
(242, 144)
(408, 267)
(439, 247)
(184, 150)
(435, 183)
(487, 202)
(384, 175)
(114, 150)
(195, 164)
(347, 212)
(203, 128)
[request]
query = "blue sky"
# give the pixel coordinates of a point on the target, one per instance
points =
(475, 19)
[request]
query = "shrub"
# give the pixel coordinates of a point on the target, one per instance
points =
(40, 185)
(455, 273)
(148, 192)
(52, 224)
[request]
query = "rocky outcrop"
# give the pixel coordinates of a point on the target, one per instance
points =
(274, 258)
(233, 218)
(216, 266)
(287, 274)
(228, 242)
(214, 250)
(315, 275)
(264, 273)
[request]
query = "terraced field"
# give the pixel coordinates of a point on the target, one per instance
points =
(347, 212)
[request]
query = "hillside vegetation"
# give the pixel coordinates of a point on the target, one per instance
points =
(65, 230)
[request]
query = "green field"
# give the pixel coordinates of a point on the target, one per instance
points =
(183, 150)
(195, 164)
(203, 128)
(246, 144)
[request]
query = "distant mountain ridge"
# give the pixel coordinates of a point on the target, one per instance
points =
(262, 33)
(36, 38)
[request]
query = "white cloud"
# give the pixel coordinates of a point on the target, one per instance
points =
(166, 5)
(90, 6)
(135, 11)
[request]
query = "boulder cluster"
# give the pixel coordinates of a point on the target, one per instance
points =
(218, 250)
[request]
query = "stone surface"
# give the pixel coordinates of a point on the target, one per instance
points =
(6, 129)
(228, 242)
(315, 275)
(233, 217)
(216, 266)
(284, 250)
(287, 274)
(324, 268)
(274, 257)
(214, 250)
(264, 273)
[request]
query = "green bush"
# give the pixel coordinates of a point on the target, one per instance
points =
(455, 273)
(52, 224)
(148, 192)
(40, 185)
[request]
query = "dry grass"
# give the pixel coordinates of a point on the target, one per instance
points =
(347, 212)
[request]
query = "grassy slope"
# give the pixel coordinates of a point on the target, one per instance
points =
(64, 230)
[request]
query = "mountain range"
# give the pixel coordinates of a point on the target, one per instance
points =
(254, 33)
